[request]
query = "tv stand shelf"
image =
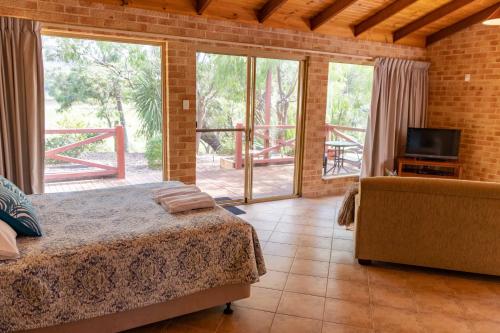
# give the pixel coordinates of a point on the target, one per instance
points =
(413, 167)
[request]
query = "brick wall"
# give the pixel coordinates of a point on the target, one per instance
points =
(471, 106)
(87, 15)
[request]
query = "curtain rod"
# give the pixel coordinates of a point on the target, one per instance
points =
(54, 26)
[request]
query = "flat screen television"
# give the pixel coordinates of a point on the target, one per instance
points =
(434, 143)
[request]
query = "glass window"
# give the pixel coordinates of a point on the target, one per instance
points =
(347, 110)
(103, 114)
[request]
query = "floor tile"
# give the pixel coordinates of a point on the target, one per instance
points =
(343, 233)
(347, 312)
(341, 328)
(161, 327)
(207, 319)
(484, 326)
(263, 225)
(348, 290)
(389, 319)
(433, 302)
(273, 280)
(348, 272)
(313, 253)
(280, 249)
(261, 299)
(473, 287)
(310, 267)
(439, 323)
(342, 244)
(246, 321)
(342, 257)
(263, 235)
(419, 281)
(318, 231)
(387, 277)
(322, 222)
(277, 263)
(264, 216)
(301, 305)
(178, 328)
(295, 219)
(286, 238)
(291, 324)
(389, 296)
(481, 310)
(305, 284)
(289, 228)
(333, 293)
(315, 241)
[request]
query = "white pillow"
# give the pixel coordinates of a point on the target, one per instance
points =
(8, 246)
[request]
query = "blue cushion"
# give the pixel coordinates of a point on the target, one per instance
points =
(17, 211)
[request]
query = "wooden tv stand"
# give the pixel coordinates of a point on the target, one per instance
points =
(413, 167)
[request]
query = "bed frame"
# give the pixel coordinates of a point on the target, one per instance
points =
(121, 321)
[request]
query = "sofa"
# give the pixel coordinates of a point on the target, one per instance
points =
(439, 223)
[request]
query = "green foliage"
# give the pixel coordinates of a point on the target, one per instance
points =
(106, 75)
(154, 153)
(349, 96)
(221, 97)
(220, 90)
(146, 93)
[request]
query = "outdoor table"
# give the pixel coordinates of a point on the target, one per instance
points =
(338, 158)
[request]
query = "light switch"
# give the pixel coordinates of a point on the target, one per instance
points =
(185, 104)
(467, 78)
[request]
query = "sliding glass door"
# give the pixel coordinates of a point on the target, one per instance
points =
(221, 109)
(274, 135)
(248, 113)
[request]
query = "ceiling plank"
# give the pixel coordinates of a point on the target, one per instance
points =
(202, 5)
(269, 8)
(381, 15)
(329, 13)
(435, 15)
(460, 25)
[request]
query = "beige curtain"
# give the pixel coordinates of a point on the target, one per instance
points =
(21, 104)
(399, 101)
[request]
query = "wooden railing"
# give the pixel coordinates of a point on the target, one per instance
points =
(339, 133)
(103, 170)
(263, 154)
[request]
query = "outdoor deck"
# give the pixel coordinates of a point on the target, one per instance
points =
(270, 180)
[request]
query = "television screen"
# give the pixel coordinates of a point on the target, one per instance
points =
(433, 143)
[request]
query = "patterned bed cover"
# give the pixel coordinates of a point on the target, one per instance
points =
(110, 250)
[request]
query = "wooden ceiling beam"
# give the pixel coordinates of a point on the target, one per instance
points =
(329, 13)
(460, 25)
(202, 5)
(434, 15)
(269, 8)
(382, 15)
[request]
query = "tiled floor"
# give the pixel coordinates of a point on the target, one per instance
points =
(314, 285)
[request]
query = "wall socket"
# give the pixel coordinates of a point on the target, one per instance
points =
(467, 78)
(185, 104)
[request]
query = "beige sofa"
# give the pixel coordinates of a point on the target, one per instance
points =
(440, 223)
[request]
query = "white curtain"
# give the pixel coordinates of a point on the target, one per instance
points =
(399, 101)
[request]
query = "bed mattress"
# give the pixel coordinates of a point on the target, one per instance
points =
(111, 250)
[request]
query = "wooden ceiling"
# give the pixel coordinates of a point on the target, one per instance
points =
(409, 22)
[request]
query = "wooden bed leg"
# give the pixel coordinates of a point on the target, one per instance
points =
(228, 309)
(364, 262)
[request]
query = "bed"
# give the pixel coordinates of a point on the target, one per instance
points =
(112, 259)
